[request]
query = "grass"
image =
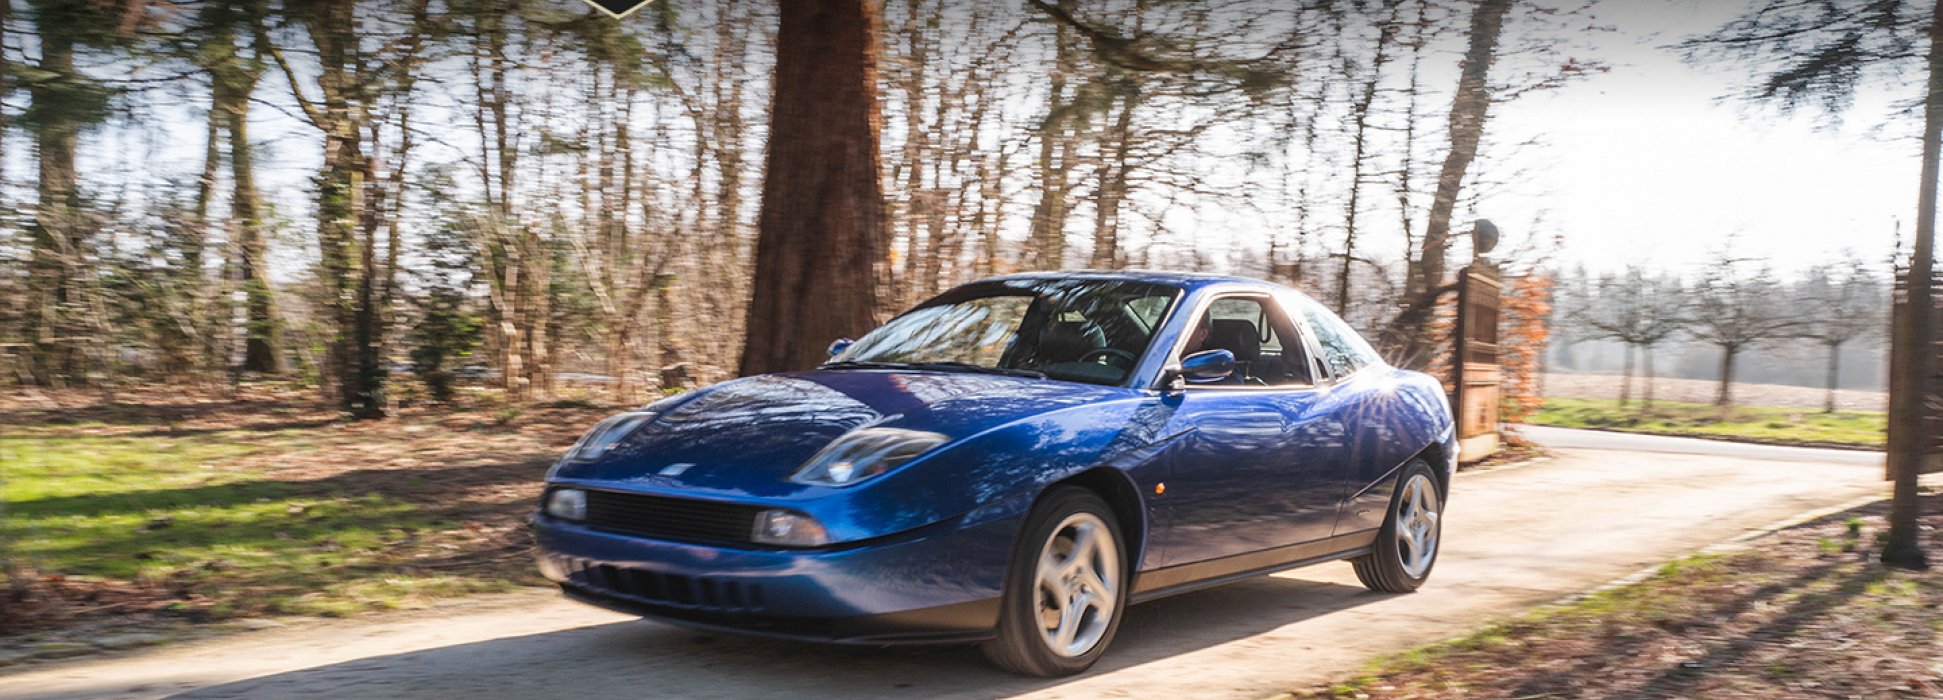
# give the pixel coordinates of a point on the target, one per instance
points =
(1750, 423)
(163, 512)
(247, 512)
(1802, 613)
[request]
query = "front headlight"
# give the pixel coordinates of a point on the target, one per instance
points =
(605, 436)
(567, 504)
(862, 454)
(789, 529)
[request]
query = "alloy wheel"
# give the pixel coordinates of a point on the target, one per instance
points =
(1078, 582)
(1417, 517)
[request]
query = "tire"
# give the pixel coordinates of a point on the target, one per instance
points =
(1047, 578)
(1407, 546)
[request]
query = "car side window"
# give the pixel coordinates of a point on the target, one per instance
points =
(1267, 350)
(1148, 310)
(1342, 350)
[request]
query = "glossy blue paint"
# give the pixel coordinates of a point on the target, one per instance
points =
(1259, 469)
(1213, 365)
(1246, 469)
(945, 565)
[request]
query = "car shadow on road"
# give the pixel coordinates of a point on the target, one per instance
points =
(649, 659)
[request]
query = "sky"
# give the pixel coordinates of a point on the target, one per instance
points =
(1645, 164)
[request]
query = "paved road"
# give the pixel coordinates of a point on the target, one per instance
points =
(1605, 507)
(1564, 438)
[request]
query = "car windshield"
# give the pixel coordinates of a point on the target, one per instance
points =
(1092, 331)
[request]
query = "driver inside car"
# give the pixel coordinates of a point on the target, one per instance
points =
(1238, 337)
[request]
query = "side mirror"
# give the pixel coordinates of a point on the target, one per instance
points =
(841, 344)
(1208, 366)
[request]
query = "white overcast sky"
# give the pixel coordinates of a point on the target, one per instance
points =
(1645, 164)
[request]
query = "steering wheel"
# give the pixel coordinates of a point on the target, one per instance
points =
(1111, 353)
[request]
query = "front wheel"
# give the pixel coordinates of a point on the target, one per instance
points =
(1406, 548)
(1065, 590)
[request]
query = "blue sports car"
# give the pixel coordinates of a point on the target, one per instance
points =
(1013, 462)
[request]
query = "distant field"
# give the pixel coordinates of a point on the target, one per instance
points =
(1606, 386)
(1752, 423)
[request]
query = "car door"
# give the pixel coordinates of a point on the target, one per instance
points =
(1357, 395)
(1259, 463)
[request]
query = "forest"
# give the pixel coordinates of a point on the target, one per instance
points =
(378, 199)
(382, 200)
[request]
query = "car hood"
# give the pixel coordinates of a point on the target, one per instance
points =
(746, 437)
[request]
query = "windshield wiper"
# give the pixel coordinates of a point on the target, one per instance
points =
(936, 366)
(981, 369)
(866, 364)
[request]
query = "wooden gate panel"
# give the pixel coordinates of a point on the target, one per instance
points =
(1477, 361)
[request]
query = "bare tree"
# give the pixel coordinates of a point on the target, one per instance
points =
(356, 202)
(1469, 110)
(1737, 303)
(1361, 117)
(1843, 302)
(1639, 309)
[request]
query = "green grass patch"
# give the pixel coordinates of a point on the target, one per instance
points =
(1752, 423)
(177, 515)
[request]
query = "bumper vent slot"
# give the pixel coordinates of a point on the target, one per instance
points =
(663, 517)
(691, 592)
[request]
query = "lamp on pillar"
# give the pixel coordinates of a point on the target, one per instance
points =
(1484, 237)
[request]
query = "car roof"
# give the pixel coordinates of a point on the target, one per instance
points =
(1184, 280)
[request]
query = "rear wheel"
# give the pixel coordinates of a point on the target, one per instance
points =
(1065, 589)
(1406, 548)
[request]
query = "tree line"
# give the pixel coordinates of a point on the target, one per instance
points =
(727, 183)
(525, 188)
(1733, 304)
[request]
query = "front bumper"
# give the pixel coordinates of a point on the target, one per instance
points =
(940, 583)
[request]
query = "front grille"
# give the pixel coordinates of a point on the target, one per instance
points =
(692, 592)
(663, 517)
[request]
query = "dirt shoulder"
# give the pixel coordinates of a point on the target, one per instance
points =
(1803, 612)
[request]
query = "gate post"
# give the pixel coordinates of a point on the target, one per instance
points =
(1476, 360)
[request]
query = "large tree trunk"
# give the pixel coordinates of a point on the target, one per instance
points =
(55, 232)
(1411, 330)
(373, 299)
(506, 242)
(821, 230)
(261, 351)
(1046, 238)
(184, 316)
(344, 226)
(1115, 168)
(1913, 336)
(6, 69)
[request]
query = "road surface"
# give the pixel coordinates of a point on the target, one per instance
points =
(1568, 439)
(1605, 506)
